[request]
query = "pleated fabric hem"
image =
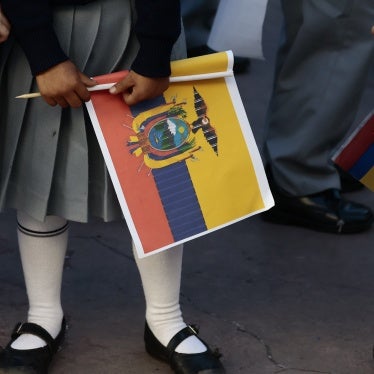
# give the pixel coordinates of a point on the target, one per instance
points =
(50, 160)
(44, 151)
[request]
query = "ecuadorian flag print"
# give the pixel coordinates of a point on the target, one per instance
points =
(356, 156)
(183, 164)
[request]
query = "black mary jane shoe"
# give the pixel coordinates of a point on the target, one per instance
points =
(30, 361)
(183, 363)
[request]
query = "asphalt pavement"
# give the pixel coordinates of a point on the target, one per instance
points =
(272, 298)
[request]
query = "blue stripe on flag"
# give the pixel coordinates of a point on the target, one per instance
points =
(179, 199)
(363, 164)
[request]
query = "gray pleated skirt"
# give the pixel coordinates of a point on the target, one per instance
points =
(50, 160)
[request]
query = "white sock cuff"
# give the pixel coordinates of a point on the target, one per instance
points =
(52, 226)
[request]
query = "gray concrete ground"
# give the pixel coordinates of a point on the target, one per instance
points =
(274, 299)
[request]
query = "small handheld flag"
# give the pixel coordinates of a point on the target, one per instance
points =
(356, 155)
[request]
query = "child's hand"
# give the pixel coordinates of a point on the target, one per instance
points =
(372, 30)
(136, 87)
(64, 85)
(4, 27)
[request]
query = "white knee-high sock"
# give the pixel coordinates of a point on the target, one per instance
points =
(42, 247)
(161, 277)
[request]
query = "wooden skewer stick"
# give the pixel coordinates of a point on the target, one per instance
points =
(29, 95)
(106, 86)
(98, 87)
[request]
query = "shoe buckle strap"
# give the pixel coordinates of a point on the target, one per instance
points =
(194, 329)
(17, 330)
(179, 338)
(34, 329)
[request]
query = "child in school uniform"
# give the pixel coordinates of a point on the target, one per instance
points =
(51, 169)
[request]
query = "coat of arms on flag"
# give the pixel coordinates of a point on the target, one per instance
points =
(183, 164)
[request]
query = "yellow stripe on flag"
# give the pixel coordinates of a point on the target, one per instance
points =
(212, 63)
(225, 180)
(368, 179)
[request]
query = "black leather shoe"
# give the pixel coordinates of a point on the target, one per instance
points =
(325, 211)
(195, 363)
(30, 361)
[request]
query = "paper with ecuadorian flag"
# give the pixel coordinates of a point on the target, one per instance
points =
(184, 164)
(356, 155)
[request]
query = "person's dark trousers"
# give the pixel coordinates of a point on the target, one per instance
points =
(322, 67)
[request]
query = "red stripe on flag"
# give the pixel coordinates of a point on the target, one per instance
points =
(137, 183)
(358, 145)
